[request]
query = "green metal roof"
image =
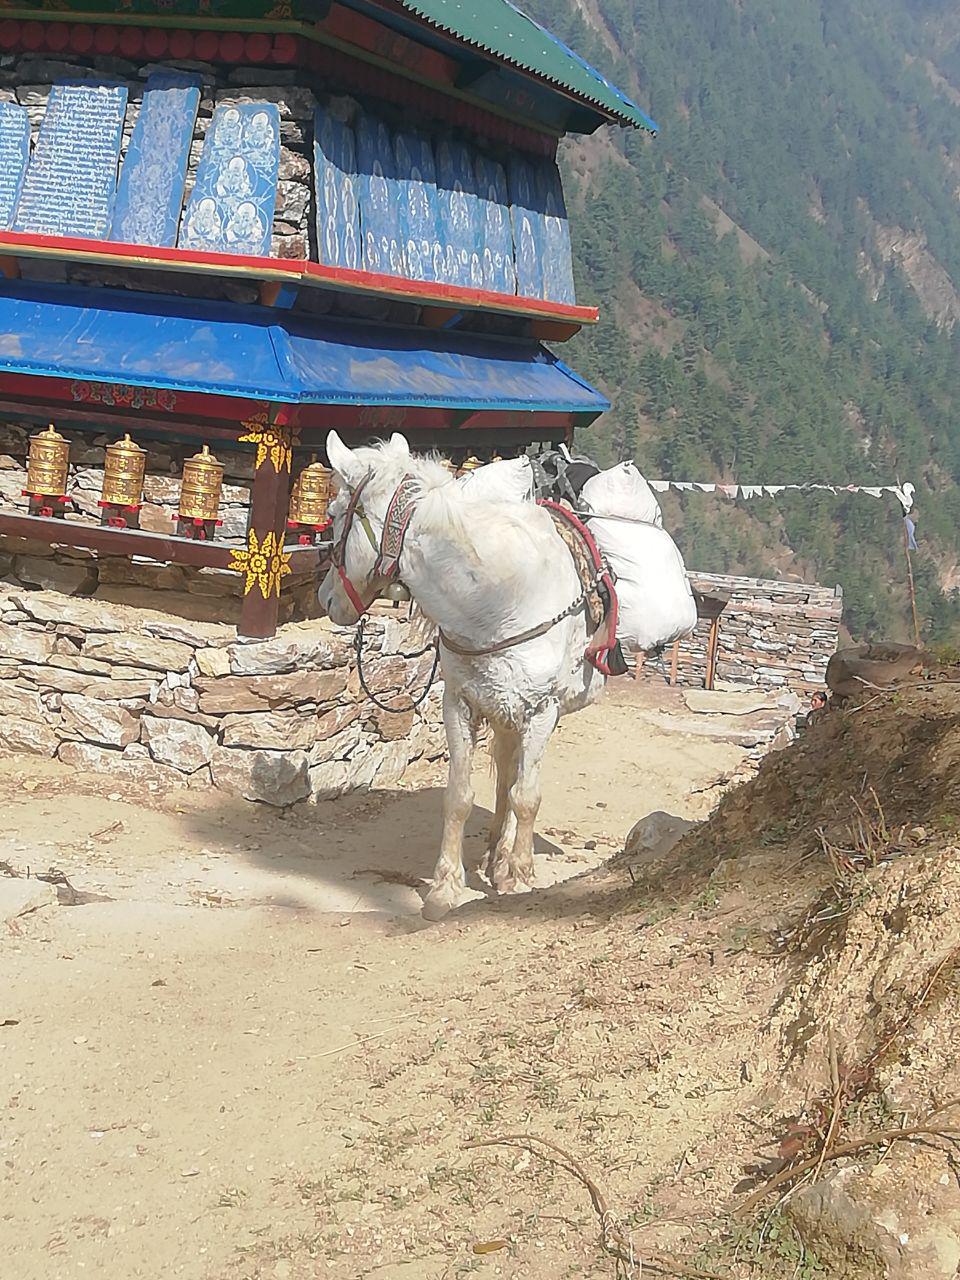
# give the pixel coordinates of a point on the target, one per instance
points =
(498, 27)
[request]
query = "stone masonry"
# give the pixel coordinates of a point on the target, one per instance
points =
(773, 635)
(165, 702)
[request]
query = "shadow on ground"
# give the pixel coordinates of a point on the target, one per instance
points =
(375, 852)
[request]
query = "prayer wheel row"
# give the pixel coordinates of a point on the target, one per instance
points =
(124, 470)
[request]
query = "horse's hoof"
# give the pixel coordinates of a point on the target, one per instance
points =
(512, 884)
(434, 911)
(439, 903)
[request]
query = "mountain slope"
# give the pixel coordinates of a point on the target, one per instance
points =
(779, 274)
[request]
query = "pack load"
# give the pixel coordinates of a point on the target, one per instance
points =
(506, 480)
(621, 491)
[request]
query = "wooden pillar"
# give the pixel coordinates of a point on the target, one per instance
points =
(264, 563)
(712, 649)
(674, 662)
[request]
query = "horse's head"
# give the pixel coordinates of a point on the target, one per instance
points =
(366, 479)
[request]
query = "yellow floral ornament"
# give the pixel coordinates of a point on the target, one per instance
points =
(272, 441)
(264, 564)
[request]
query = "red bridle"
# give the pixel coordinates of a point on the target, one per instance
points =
(386, 566)
(340, 547)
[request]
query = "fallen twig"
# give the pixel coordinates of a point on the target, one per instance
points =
(612, 1238)
(877, 1139)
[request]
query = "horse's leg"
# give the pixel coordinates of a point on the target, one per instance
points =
(516, 867)
(503, 826)
(448, 878)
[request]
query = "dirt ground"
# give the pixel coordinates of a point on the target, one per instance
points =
(243, 1054)
(244, 1057)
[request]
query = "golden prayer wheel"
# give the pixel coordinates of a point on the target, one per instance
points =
(311, 495)
(200, 487)
(123, 472)
(469, 464)
(48, 464)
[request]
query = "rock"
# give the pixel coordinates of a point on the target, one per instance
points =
(293, 167)
(295, 648)
(881, 1224)
(199, 635)
(26, 737)
(91, 615)
(56, 678)
(143, 651)
(300, 686)
(265, 693)
(18, 642)
(54, 575)
(97, 721)
(93, 759)
(294, 101)
(274, 777)
(335, 720)
(213, 662)
(337, 746)
(178, 743)
(18, 897)
(24, 703)
(272, 729)
(339, 777)
(718, 701)
(655, 835)
(392, 764)
(393, 725)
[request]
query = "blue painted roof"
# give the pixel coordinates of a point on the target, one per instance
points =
(264, 354)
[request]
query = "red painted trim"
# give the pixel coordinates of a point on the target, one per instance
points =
(424, 80)
(373, 37)
(298, 270)
(222, 417)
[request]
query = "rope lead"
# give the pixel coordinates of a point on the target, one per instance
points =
(414, 702)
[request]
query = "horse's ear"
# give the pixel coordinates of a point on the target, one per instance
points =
(400, 444)
(342, 459)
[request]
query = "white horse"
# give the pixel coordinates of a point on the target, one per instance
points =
(485, 573)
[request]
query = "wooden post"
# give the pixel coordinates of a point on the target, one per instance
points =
(264, 563)
(674, 662)
(913, 593)
(712, 648)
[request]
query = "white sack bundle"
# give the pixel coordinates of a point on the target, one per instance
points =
(621, 491)
(509, 480)
(656, 600)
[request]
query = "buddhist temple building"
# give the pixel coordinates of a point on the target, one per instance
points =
(227, 227)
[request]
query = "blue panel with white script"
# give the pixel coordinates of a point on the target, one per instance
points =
(14, 152)
(150, 191)
(71, 180)
(499, 272)
(231, 207)
(335, 179)
(381, 244)
(459, 215)
(528, 227)
(419, 207)
(557, 252)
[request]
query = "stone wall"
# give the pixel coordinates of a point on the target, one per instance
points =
(773, 634)
(164, 703)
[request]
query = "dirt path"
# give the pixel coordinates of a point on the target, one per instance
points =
(244, 1056)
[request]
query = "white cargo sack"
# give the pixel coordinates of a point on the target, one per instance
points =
(656, 600)
(509, 480)
(621, 491)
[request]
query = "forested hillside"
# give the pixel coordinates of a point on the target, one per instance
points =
(776, 273)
